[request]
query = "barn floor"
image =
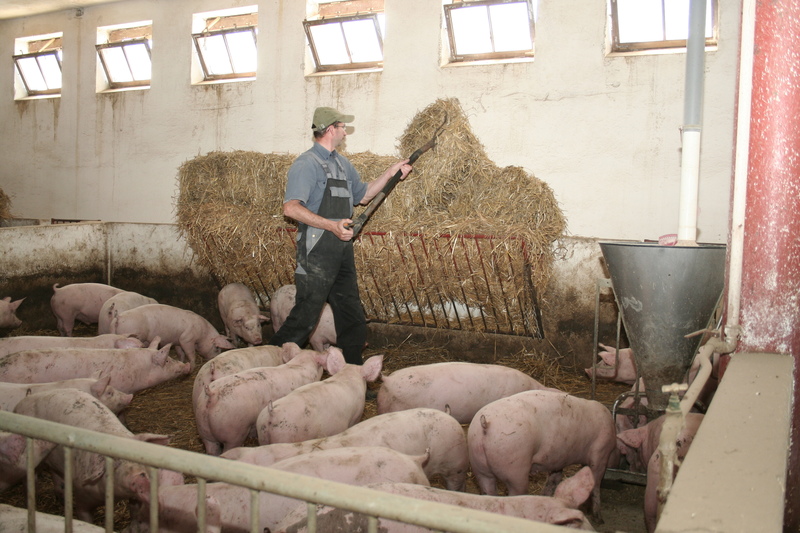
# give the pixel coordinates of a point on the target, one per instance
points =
(167, 409)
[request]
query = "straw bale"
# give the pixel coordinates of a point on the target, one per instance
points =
(417, 258)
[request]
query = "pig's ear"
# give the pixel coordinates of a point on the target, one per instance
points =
(100, 386)
(14, 305)
(223, 343)
(154, 343)
(263, 318)
(288, 351)
(7, 299)
(632, 437)
(12, 446)
(577, 489)
(371, 368)
(335, 361)
(160, 357)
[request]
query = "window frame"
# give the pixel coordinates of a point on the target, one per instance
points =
(123, 44)
(618, 47)
(208, 77)
(319, 67)
(44, 51)
(490, 56)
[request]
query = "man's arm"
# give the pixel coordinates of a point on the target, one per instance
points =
(297, 211)
(375, 186)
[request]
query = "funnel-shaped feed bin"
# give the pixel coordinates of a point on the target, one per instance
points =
(664, 293)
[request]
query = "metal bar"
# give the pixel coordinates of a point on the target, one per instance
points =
(489, 295)
(68, 489)
(410, 283)
(109, 496)
(153, 473)
(349, 497)
(201, 509)
(30, 464)
(452, 301)
(422, 279)
(475, 285)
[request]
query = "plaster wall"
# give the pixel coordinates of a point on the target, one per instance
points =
(602, 131)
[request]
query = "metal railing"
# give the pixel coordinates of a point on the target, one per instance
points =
(374, 504)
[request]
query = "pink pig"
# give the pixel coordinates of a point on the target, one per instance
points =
(413, 431)
(540, 431)
(119, 302)
(13, 458)
(10, 345)
(638, 445)
(626, 373)
(458, 388)
(240, 314)
(131, 370)
(12, 393)
(15, 520)
(8, 310)
(234, 402)
(320, 409)
(228, 506)
(561, 509)
(190, 332)
(79, 301)
(281, 304)
(77, 408)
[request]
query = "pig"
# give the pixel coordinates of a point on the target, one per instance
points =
(639, 444)
(683, 443)
(561, 509)
(8, 310)
(234, 402)
(606, 368)
(119, 303)
(190, 332)
(240, 314)
(230, 504)
(15, 520)
(77, 408)
(79, 301)
(131, 370)
(10, 345)
(320, 409)
(413, 432)
(282, 302)
(455, 387)
(540, 431)
(12, 393)
(13, 458)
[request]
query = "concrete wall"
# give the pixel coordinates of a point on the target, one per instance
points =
(602, 131)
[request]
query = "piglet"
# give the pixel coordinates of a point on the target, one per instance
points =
(458, 388)
(190, 332)
(12, 393)
(10, 345)
(79, 301)
(131, 369)
(322, 408)
(561, 509)
(540, 431)
(229, 505)
(638, 445)
(8, 310)
(234, 402)
(15, 520)
(13, 458)
(413, 431)
(240, 314)
(606, 369)
(119, 302)
(77, 408)
(281, 304)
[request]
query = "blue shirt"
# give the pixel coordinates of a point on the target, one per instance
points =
(306, 178)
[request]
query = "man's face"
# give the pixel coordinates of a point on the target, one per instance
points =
(339, 133)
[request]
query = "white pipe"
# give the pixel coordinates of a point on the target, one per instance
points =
(740, 168)
(690, 183)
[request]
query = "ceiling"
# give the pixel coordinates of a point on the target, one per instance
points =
(24, 8)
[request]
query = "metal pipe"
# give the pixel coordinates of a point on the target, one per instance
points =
(692, 124)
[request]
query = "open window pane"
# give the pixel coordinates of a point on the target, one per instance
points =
(51, 70)
(116, 64)
(510, 27)
(350, 42)
(32, 74)
(215, 55)
(363, 40)
(489, 29)
(471, 30)
(124, 53)
(656, 24)
(242, 46)
(334, 51)
(139, 60)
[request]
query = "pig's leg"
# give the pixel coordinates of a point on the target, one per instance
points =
(212, 447)
(487, 483)
(552, 482)
(516, 482)
(457, 482)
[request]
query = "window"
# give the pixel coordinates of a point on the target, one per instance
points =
(123, 53)
(490, 29)
(346, 35)
(225, 44)
(38, 63)
(646, 25)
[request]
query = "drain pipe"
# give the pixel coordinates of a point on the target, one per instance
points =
(692, 124)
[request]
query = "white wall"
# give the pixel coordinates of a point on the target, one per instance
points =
(602, 131)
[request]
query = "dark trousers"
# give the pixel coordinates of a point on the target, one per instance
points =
(330, 276)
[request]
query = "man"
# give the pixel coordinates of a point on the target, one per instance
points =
(322, 188)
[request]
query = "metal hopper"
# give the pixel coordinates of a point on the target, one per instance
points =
(664, 293)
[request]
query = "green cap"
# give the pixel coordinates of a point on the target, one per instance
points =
(325, 116)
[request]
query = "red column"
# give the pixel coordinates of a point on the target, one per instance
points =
(770, 304)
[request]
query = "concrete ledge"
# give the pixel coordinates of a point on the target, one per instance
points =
(734, 477)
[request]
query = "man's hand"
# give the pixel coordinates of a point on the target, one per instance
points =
(342, 229)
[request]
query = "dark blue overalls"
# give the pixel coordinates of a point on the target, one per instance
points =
(326, 272)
